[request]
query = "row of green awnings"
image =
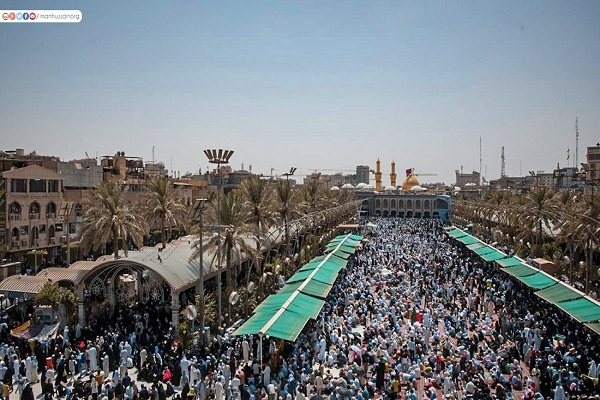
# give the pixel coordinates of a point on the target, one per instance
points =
(283, 315)
(547, 287)
(574, 303)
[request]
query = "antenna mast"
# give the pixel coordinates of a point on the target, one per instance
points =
(480, 161)
(503, 169)
(576, 143)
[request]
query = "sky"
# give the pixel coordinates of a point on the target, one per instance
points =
(318, 85)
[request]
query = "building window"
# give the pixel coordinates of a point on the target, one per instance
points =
(409, 204)
(37, 186)
(42, 228)
(14, 208)
(58, 227)
(78, 210)
(24, 230)
(51, 209)
(426, 204)
(53, 186)
(441, 204)
(18, 185)
(418, 204)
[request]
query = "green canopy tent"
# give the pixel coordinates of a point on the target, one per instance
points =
(331, 258)
(484, 250)
(583, 310)
(468, 240)
(558, 292)
(284, 315)
(520, 270)
(312, 288)
(475, 246)
(322, 274)
(457, 233)
(537, 281)
(509, 262)
(493, 256)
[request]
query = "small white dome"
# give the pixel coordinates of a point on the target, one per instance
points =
(417, 189)
(334, 188)
(347, 186)
(389, 188)
(457, 189)
(369, 187)
(361, 185)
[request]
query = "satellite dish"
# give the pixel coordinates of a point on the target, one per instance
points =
(277, 268)
(568, 260)
(556, 255)
(251, 287)
(234, 297)
(190, 312)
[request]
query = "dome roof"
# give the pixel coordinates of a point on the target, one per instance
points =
(457, 189)
(409, 182)
(389, 188)
(417, 188)
(361, 185)
(347, 186)
(334, 188)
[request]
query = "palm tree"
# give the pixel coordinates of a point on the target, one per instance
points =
(541, 199)
(232, 237)
(161, 205)
(312, 196)
(109, 217)
(259, 203)
(286, 198)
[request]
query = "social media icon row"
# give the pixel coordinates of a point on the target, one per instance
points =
(19, 16)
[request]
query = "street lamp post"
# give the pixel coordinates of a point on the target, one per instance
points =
(196, 213)
(287, 209)
(218, 157)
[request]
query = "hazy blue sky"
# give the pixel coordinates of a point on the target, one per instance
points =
(311, 84)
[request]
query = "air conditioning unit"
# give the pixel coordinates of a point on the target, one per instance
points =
(52, 240)
(50, 215)
(24, 243)
(14, 217)
(34, 216)
(15, 243)
(63, 239)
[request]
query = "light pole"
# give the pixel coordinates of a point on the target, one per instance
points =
(287, 210)
(65, 211)
(196, 213)
(218, 157)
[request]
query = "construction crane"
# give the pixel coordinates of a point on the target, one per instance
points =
(333, 170)
(423, 174)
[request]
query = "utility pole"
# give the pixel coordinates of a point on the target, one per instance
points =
(576, 143)
(480, 161)
(503, 169)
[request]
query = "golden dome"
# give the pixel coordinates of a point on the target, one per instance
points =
(410, 182)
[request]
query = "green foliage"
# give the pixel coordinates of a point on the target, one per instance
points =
(54, 295)
(157, 235)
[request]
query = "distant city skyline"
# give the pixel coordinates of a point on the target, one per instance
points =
(325, 85)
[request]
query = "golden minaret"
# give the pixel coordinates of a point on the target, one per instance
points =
(378, 176)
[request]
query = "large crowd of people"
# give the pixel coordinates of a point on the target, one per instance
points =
(414, 315)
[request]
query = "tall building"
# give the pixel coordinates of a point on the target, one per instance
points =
(393, 175)
(362, 174)
(593, 163)
(462, 179)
